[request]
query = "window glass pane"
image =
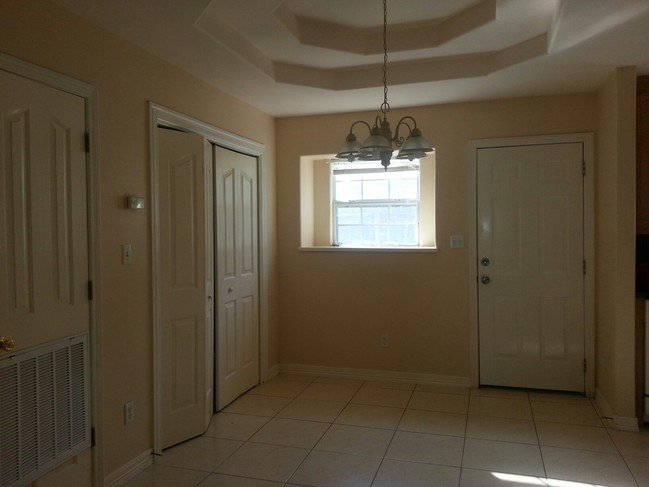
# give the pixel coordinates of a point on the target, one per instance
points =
(373, 215)
(348, 190)
(346, 215)
(350, 234)
(403, 214)
(403, 235)
(376, 190)
(370, 236)
(401, 189)
(373, 207)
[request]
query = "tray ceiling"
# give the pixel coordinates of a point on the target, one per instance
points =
(297, 57)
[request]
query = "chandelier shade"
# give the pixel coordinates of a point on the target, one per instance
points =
(351, 149)
(415, 147)
(376, 142)
(380, 143)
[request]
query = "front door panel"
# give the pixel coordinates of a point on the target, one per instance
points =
(530, 266)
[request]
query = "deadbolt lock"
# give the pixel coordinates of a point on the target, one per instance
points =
(485, 262)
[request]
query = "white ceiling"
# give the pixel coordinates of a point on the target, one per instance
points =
(300, 57)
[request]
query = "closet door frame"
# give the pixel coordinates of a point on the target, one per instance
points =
(162, 116)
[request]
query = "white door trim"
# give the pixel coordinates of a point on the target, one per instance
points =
(160, 115)
(89, 94)
(587, 139)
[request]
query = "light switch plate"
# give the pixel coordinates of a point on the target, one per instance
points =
(127, 254)
(457, 241)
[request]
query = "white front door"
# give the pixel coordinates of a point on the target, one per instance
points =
(530, 252)
(237, 273)
(182, 283)
(43, 227)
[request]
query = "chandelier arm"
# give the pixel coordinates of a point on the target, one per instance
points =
(408, 117)
(351, 129)
(397, 139)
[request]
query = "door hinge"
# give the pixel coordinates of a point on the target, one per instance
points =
(86, 141)
(90, 291)
(585, 366)
(584, 266)
(583, 168)
(92, 438)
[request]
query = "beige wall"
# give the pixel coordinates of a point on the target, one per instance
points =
(126, 78)
(615, 241)
(335, 305)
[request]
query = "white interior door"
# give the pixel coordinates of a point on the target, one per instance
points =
(183, 284)
(210, 359)
(43, 226)
(237, 273)
(530, 220)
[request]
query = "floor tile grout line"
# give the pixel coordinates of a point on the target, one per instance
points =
(328, 428)
(394, 433)
(626, 463)
(288, 479)
(466, 431)
(538, 438)
(603, 425)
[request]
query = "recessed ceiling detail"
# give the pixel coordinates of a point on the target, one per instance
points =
(302, 57)
(422, 34)
(407, 72)
(419, 40)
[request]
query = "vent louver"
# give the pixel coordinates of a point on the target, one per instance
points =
(44, 409)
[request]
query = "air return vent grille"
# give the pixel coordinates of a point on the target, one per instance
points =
(44, 409)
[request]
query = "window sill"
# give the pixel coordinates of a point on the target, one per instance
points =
(421, 249)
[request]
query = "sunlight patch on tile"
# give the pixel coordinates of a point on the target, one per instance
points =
(528, 480)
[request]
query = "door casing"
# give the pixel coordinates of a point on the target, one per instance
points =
(89, 94)
(587, 139)
(161, 116)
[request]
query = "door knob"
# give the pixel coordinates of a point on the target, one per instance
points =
(485, 280)
(6, 345)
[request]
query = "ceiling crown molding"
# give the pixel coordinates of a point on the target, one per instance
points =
(424, 34)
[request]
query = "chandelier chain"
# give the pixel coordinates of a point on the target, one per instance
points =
(381, 141)
(385, 107)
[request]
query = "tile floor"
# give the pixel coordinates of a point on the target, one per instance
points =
(322, 432)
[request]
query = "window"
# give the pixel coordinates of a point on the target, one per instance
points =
(374, 207)
(359, 205)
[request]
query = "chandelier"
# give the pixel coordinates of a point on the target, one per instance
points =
(380, 143)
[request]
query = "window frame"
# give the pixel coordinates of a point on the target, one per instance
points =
(315, 225)
(370, 170)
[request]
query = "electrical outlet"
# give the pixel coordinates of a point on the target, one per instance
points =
(384, 340)
(129, 412)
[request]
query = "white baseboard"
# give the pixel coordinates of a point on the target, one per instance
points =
(611, 420)
(375, 375)
(126, 472)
